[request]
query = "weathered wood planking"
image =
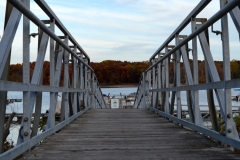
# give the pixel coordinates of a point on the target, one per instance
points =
(127, 134)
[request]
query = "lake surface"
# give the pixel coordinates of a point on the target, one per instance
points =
(117, 91)
(17, 106)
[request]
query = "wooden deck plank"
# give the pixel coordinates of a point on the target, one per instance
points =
(127, 134)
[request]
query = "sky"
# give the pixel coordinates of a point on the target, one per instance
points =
(126, 30)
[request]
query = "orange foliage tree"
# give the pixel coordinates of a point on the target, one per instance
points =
(118, 72)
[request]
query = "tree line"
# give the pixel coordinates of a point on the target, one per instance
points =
(117, 72)
(111, 72)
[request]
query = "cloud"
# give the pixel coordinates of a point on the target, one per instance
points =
(129, 47)
(126, 2)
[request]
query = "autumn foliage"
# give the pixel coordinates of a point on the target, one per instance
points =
(107, 72)
(117, 72)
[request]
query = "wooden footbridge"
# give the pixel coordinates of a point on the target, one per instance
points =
(127, 134)
(154, 128)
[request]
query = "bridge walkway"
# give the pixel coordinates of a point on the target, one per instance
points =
(127, 134)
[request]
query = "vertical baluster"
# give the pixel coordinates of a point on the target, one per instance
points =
(198, 119)
(81, 79)
(65, 81)
(85, 82)
(26, 70)
(148, 86)
(53, 59)
(174, 84)
(229, 123)
(143, 89)
(159, 77)
(166, 81)
(178, 79)
(153, 84)
(74, 81)
(163, 81)
(92, 91)
(88, 86)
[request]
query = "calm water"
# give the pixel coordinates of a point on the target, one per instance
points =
(17, 106)
(116, 91)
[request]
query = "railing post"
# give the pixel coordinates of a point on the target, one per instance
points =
(85, 82)
(197, 117)
(163, 85)
(81, 80)
(143, 89)
(159, 78)
(166, 81)
(153, 85)
(26, 76)
(78, 84)
(65, 82)
(26, 73)
(173, 94)
(88, 86)
(95, 93)
(93, 90)
(91, 85)
(228, 118)
(178, 79)
(74, 81)
(148, 86)
(140, 94)
(139, 105)
(99, 97)
(97, 106)
(53, 95)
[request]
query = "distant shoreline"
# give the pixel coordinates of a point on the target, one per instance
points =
(119, 86)
(126, 85)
